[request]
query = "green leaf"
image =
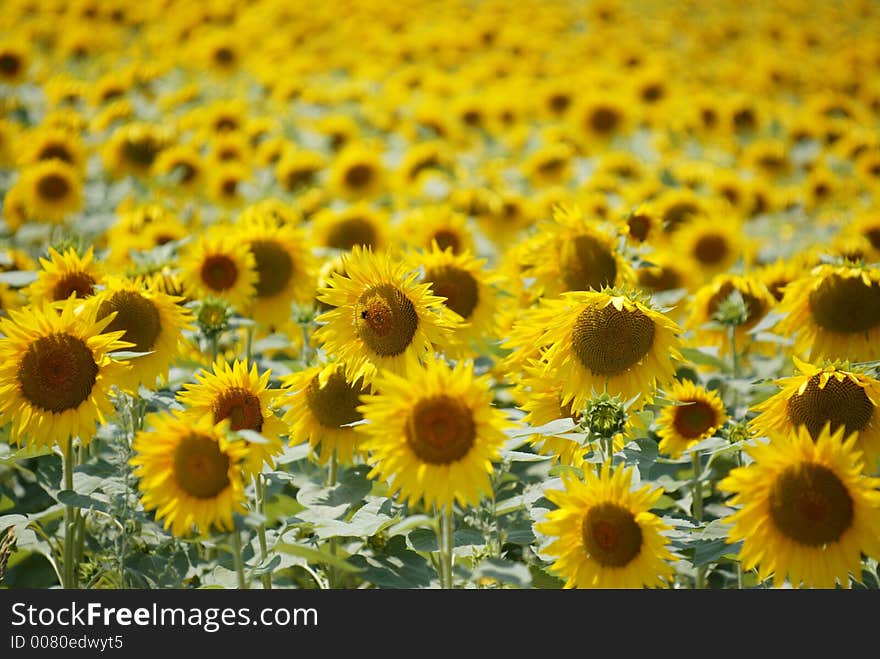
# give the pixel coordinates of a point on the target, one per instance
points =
(519, 456)
(543, 580)
(706, 552)
(396, 567)
(702, 358)
(86, 502)
(505, 572)
(426, 540)
(314, 555)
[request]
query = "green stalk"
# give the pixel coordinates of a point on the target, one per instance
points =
(332, 469)
(249, 343)
(261, 529)
(448, 524)
(441, 544)
(237, 559)
(69, 520)
(700, 581)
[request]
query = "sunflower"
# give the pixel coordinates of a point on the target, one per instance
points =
(150, 320)
(220, 264)
(779, 274)
(323, 405)
(51, 191)
(607, 341)
(190, 473)
(224, 184)
(9, 299)
(441, 224)
(56, 372)
(599, 118)
(133, 148)
(868, 225)
(835, 312)
(284, 264)
(241, 396)
(433, 435)
(142, 228)
(47, 143)
(14, 62)
(358, 224)
(712, 246)
(605, 535)
(695, 414)
(468, 289)
(821, 395)
(357, 173)
(549, 165)
(569, 254)
(182, 166)
(382, 318)
(806, 512)
(299, 169)
(64, 275)
(708, 299)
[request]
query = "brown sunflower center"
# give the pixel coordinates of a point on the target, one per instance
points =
(136, 315)
(458, 287)
(345, 234)
(677, 213)
(588, 264)
(693, 420)
(335, 404)
(229, 187)
(219, 272)
(603, 120)
(639, 226)
(552, 166)
(559, 103)
(57, 373)
(241, 407)
(80, 283)
(53, 187)
(873, 236)
(755, 307)
(141, 152)
(659, 278)
(843, 403)
(300, 177)
(711, 249)
(440, 430)
(810, 505)
(187, 171)
(448, 239)
(274, 267)
(386, 320)
(611, 535)
(10, 64)
(846, 304)
(56, 151)
(359, 175)
(201, 469)
(777, 288)
(224, 56)
(607, 341)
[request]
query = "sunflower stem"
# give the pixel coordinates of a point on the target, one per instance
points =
(261, 528)
(734, 360)
(249, 343)
(237, 559)
(448, 526)
(700, 580)
(215, 347)
(69, 520)
(332, 469)
(438, 532)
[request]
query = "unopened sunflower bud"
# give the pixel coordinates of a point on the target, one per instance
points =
(732, 310)
(213, 317)
(604, 416)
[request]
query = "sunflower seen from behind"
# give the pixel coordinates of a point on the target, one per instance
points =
(220, 265)
(607, 341)
(835, 394)
(604, 533)
(834, 312)
(323, 406)
(382, 318)
(56, 372)
(190, 472)
(241, 396)
(694, 415)
(805, 512)
(151, 321)
(433, 435)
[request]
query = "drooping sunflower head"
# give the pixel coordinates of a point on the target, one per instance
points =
(433, 435)
(190, 473)
(56, 373)
(806, 513)
(695, 414)
(323, 406)
(65, 275)
(604, 535)
(570, 254)
(835, 312)
(221, 265)
(607, 341)
(382, 318)
(284, 266)
(240, 396)
(835, 395)
(51, 191)
(151, 321)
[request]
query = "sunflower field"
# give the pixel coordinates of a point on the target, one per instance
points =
(439, 294)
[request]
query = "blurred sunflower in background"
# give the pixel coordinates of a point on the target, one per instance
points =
(220, 265)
